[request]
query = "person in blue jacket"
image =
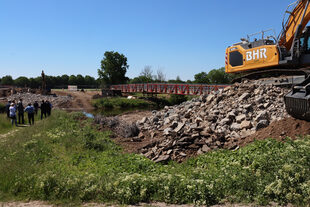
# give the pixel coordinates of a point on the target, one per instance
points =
(30, 110)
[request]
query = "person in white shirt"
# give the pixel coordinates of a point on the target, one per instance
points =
(13, 114)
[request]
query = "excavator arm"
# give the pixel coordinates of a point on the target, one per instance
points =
(295, 24)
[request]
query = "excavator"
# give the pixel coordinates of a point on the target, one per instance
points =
(289, 53)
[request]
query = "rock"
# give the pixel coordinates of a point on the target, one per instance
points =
(144, 120)
(225, 121)
(205, 148)
(141, 135)
(261, 124)
(246, 125)
(155, 119)
(244, 96)
(162, 158)
(235, 127)
(240, 118)
(174, 124)
(179, 127)
(167, 131)
(262, 115)
(209, 98)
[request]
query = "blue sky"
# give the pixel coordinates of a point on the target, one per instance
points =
(180, 37)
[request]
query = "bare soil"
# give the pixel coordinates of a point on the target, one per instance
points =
(81, 100)
(280, 130)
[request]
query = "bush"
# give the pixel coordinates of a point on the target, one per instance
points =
(121, 103)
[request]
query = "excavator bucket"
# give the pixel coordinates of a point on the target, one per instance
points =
(297, 101)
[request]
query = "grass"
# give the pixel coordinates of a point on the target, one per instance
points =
(119, 102)
(65, 159)
(5, 124)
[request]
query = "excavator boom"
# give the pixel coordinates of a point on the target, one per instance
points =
(295, 23)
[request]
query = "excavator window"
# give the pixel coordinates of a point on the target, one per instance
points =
(235, 58)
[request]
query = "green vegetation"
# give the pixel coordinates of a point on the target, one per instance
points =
(2, 108)
(119, 102)
(63, 158)
(5, 124)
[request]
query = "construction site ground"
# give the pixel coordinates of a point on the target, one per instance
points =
(81, 100)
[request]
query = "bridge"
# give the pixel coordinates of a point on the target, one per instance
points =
(167, 88)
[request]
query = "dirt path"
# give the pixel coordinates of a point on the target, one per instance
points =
(81, 100)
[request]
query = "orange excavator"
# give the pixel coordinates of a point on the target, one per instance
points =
(287, 54)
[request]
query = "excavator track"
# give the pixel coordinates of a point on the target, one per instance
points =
(273, 73)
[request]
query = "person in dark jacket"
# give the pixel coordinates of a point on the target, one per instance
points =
(7, 109)
(43, 109)
(20, 109)
(48, 108)
(30, 110)
(36, 107)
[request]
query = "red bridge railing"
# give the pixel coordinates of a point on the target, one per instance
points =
(180, 89)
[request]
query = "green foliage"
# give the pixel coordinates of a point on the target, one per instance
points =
(5, 123)
(7, 80)
(141, 79)
(113, 68)
(119, 102)
(175, 99)
(215, 76)
(63, 159)
(22, 81)
(202, 78)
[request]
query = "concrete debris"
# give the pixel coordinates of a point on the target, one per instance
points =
(213, 121)
(56, 101)
(120, 127)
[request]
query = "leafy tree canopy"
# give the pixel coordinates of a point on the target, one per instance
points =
(7, 80)
(113, 68)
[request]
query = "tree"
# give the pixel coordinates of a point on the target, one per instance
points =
(90, 81)
(161, 77)
(22, 81)
(177, 80)
(113, 68)
(219, 76)
(65, 79)
(147, 72)
(141, 79)
(7, 80)
(201, 78)
(72, 80)
(80, 80)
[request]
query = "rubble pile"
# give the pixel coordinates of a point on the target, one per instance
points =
(218, 120)
(118, 126)
(56, 101)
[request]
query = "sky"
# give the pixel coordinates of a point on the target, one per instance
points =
(179, 37)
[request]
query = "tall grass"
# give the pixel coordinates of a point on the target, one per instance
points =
(64, 159)
(5, 124)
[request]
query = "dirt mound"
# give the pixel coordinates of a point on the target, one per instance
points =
(288, 127)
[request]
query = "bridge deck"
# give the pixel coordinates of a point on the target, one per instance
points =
(164, 88)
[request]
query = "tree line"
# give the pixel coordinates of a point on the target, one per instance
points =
(114, 67)
(52, 81)
(113, 71)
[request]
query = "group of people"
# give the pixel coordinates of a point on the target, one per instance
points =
(13, 110)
